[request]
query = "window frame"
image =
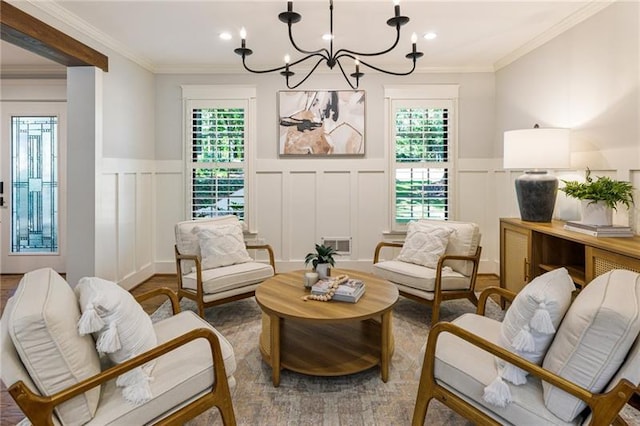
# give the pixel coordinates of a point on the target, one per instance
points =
(213, 96)
(421, 96)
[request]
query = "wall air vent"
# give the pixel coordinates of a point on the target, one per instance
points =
(342, 245)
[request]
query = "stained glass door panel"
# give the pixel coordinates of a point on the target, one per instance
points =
(34, 185)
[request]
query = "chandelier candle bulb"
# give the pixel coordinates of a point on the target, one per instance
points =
(414, 40)
(289, 6)
(396, 7)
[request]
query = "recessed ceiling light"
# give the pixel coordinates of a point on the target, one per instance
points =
(327, 37)
(430, 36)
(225, 36)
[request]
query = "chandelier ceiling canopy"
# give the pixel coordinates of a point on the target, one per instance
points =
(328, 56)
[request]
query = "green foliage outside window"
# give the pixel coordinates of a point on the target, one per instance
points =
(218, 145)
(421, 137)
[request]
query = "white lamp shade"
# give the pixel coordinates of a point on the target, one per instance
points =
(537, 149)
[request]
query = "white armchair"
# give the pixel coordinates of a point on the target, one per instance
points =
(213, 264)
(438, 261)
(55, 376)
(582, 375)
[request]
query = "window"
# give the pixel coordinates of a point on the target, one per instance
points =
(218, 134)
(34, 184)
(421, 152)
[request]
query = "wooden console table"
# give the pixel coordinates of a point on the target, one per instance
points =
(529, 249)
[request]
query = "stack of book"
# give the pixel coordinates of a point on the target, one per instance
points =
(351, 291)
(599, 230)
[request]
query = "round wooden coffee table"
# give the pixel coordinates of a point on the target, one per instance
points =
(325, 338)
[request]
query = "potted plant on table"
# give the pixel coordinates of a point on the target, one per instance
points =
(322, 260)
(599, 197)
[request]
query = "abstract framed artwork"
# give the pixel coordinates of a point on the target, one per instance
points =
(321, 122)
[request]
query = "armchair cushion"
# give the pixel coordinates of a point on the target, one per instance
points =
(463, 241)
(424, 245)
(187, 241)
(221, 245)
(229, 277)
(418, 277)
(593, 339)
(42, 324)
(122, 329)
(180, 375)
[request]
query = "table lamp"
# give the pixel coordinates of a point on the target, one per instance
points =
(535, 151)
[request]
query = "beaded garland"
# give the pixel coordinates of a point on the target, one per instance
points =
(335, 283)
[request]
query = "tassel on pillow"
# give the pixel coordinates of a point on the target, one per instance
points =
(90, 321)
(109, 341)
(513, 374)
(524, 341)
(135, 386)
(541, 320)
(497, 393)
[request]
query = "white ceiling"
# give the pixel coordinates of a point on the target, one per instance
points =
(182, 35)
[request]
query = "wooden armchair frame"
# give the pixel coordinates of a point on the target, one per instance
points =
(39, 409)
(605, 406)
(198, 294)
(440, 295)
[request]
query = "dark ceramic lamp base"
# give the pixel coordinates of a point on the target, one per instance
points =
(536, 191)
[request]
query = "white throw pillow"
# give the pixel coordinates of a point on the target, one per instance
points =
(593, 339)
(424, 245)
(187, 240)
(529, 327)
(221, 245)
(122, 330)
(42, 324)
(463, 241)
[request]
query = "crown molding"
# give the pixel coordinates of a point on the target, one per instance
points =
(53, 9)
(571, 21)
(238, 69)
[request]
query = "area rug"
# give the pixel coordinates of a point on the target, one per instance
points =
(358, 399)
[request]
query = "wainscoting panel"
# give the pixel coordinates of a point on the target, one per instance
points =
(270, 217)
(106, 228)
(371, 213)
(169, 210)
(144, 221)
(126, 225)
(334, 205)
(302, 214)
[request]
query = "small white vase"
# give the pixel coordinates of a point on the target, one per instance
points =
(323, 270)
(596, 213)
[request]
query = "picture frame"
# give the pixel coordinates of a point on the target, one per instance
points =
(321, 123)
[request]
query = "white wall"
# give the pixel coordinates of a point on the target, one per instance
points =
(586, 79)
(300, 200)
(126, 185)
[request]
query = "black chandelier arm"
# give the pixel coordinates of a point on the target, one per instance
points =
(244, 63)
(308, 74)
(342, 52)
(322, 51)
(309, 56)
(390, 72)
(345, 75)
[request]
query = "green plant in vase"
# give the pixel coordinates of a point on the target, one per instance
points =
(321, 260)
(601, 194)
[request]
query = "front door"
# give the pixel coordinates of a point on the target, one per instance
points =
(32, 171)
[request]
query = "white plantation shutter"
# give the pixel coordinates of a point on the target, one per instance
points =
(422, 159)
(216, 163)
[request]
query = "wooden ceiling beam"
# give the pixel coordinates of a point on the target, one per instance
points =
(29, 33)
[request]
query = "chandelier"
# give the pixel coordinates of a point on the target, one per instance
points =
(330, 57)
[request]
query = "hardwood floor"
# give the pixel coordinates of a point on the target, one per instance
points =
(10, 414)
